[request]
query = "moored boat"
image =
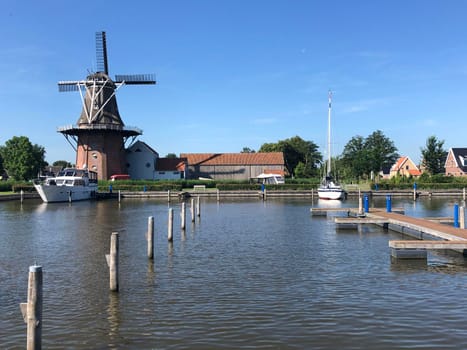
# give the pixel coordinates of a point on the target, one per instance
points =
(69, 185)
(329, 188)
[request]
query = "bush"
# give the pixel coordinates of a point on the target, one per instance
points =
(5, 186)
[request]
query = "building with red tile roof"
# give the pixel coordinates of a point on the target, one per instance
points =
(404, 166)
(233, 166)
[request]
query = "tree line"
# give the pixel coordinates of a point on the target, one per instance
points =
(361, 157)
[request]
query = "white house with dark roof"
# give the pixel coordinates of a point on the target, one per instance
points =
(141, 161)
(456, 162)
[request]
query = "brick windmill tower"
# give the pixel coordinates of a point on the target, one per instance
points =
(100, 135)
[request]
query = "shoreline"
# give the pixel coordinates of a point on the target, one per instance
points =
(210, 193)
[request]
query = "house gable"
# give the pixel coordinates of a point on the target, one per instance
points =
(456, 162)
(140, 146)
(140, 161)
(404, 166)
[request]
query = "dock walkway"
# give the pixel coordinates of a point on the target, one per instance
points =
(423, 226)
(431, 234)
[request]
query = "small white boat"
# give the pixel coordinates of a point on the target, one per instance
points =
(69, 185)
(330, 189)
(270, 179)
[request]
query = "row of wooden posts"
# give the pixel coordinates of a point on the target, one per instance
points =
(112, 258)
(32, 310)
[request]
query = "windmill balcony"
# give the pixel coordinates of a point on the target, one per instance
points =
(112, 127)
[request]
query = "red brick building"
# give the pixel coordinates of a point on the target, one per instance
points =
(456, 162)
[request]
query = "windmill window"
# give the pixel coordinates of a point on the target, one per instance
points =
(148, 165)
(94, 167)
(94, 155)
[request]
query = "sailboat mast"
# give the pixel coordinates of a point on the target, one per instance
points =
(329, 134)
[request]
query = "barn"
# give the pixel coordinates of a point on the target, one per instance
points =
(233, 166)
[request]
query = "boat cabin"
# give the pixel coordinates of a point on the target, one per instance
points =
(269, 179)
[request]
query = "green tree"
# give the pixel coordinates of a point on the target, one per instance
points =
(247, 150)
(62, 163)
(381, 151)
(434, 155)
(270, 147)
(361, 155)
(171, 155)
(22, 159)
(354, 158)
(296, 150)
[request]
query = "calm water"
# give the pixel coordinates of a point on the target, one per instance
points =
(249, 275)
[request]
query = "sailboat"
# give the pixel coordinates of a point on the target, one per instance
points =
(330, 189)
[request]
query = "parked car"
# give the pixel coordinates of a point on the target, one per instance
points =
(120, 177)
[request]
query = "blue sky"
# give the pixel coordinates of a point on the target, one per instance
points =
(234, 74)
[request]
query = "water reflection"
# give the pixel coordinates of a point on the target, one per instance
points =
(113, 317)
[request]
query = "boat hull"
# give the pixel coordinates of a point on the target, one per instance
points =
(331, 193)
(50, 194)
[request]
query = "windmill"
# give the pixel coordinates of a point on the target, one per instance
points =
(99, 137)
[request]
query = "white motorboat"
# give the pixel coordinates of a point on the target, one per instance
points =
(69, 185)
(270, 179)
(329, 188)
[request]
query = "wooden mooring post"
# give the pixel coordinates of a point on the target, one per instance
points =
(198, 207)
(119, 196)
(112, 262)
(150, 237)
(32, 310)
(170, 226)
(192, 210)
(21, 196)
(183, 217)
(462, 217)
(360, 203)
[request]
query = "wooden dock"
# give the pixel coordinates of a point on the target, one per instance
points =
(431, 233)
(420, 244)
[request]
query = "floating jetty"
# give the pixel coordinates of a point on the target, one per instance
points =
(431, 233)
